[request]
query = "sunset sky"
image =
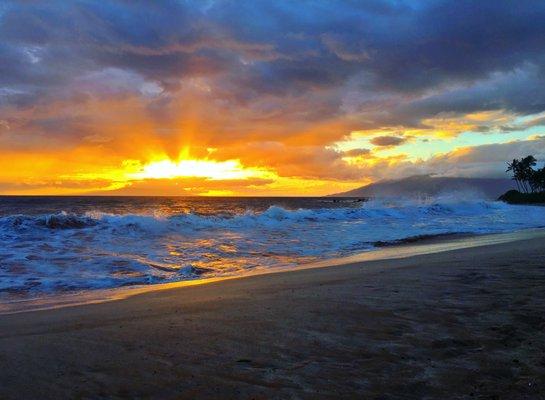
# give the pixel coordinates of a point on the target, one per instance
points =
(264, 97)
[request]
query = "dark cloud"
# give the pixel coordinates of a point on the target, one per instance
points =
(403, 45)
(387, 141)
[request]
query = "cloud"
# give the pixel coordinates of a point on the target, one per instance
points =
(387, 141)
(294, 46)
(485, 160)
(276, 83)
(356, 152)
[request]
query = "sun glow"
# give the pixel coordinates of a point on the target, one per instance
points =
(209, 169)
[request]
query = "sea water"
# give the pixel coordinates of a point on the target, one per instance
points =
(51, 245)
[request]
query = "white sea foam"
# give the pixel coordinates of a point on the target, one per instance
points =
(66, 251)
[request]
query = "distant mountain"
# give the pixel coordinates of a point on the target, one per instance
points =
(426, 185)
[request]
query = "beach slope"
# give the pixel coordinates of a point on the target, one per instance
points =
(467, 323)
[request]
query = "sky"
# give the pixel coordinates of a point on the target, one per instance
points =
(264, 97)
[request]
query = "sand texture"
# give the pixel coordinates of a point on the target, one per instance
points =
(461, 324)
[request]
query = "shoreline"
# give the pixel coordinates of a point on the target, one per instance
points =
(467, 323)
(429, 245)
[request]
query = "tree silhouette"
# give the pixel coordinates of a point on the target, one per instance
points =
(513, 167)
(538, 179)
(527, 171)
(527, 178)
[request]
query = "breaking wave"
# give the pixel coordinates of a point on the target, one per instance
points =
(67, 251)
(273, 217)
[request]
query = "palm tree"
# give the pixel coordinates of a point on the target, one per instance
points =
(514, 167)
(538, 180)
(527, 172)
(527, 179)
(530, 182)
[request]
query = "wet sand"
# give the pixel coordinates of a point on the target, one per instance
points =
(467, 323)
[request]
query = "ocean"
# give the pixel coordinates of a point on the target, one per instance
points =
(52, 245)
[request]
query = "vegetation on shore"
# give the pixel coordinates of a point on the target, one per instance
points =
(516, 197)
(530, 182)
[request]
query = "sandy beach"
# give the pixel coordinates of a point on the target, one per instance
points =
(466, 323)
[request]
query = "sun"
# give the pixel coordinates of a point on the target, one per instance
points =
(198, 168)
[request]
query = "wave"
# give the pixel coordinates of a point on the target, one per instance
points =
(418, 238)
(272, 217)
(71, 251)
